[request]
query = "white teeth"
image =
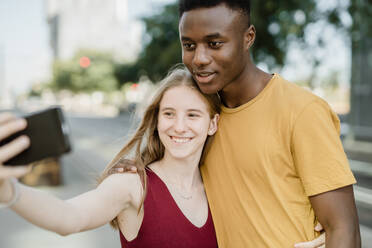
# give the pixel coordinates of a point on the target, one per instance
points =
(204, 74)
(181, 140)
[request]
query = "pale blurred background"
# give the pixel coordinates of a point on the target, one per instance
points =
(100, 60)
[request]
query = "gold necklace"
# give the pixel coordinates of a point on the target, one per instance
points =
(177, 187)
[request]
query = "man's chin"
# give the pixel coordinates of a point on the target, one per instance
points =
(208, 89)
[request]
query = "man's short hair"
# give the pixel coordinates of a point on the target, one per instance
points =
(244, 6)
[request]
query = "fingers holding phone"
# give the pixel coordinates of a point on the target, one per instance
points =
(7, 172)
(48, 134)
(9, 125)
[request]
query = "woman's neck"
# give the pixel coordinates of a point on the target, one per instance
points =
(183, 172)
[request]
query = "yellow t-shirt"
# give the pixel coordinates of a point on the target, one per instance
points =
(267, 157)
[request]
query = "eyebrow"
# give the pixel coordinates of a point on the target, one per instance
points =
(195, 110)
(184, 38)
(209, 36)
(189, 110)
(166, 108)
(213, 36)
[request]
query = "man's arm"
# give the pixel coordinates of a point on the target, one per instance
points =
(337, 213)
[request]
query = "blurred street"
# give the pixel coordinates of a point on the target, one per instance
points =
(95, 142)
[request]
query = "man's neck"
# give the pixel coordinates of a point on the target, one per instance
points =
(246, 87)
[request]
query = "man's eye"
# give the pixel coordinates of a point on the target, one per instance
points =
(215, 44)
(188, 46)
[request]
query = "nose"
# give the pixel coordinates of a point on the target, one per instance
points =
(180, 125)
(201, 57)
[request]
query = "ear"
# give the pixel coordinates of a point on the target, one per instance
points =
(249, 37)
(213, 125)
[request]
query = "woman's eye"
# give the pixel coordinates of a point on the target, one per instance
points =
(193, 115)
(168, 114)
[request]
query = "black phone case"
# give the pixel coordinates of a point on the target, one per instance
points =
(48, 133)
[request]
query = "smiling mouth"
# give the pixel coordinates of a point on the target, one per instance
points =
(204, 77)
(180, 140)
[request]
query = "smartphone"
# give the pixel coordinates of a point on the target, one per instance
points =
(49, 136)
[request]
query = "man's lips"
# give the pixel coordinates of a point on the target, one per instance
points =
(204, 77)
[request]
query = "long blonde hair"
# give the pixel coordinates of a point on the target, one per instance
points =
(145, 143)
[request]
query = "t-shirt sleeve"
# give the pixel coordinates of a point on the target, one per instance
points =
(318, 154)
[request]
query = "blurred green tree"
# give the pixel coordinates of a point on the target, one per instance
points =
(127, 73)
(87, 71)
(278, 24)
(161, 51)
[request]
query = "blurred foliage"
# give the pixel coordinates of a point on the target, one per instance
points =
(37, 89)
(278, 23)
(164, 49)
(161, 52)
(287, 21)
(361, 12)
(98, 76)
(127, 73)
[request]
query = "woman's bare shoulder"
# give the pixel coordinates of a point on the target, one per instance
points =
(124, 185)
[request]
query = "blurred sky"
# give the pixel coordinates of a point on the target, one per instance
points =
(23, 41)
(25, 54)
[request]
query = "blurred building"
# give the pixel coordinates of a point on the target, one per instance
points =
(24, 50)
(6, 99)
(93, 24)
(361, 81)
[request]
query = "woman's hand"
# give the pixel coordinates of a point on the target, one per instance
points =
(319, 242)
(9, 125)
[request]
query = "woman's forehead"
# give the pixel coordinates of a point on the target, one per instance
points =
(183, 97)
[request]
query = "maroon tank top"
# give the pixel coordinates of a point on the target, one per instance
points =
(165, 226)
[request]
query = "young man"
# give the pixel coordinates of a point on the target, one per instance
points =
(276, 164)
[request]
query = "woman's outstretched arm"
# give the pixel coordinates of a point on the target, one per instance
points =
(86, 211)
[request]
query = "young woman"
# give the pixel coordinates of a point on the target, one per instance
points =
(164, 207)
(164, 204)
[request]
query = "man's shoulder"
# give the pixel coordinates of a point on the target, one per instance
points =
(293, 96)
(293, 91)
